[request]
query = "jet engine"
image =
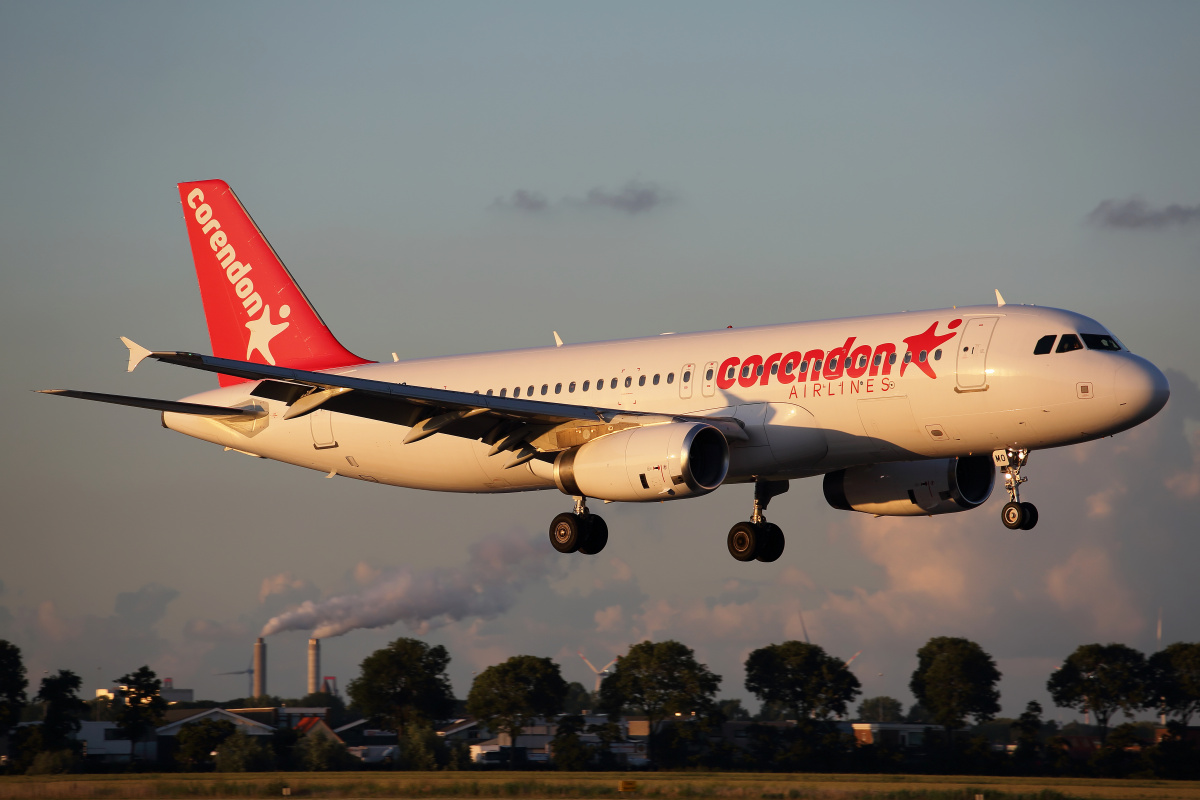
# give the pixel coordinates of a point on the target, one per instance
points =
(653, 462)
(913, 488)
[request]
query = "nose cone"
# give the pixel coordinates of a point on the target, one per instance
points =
(1142, 390)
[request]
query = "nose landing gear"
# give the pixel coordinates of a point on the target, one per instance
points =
(1015, 515)
(758, 539)
(581, 531)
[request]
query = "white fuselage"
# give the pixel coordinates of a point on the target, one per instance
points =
(979, 388)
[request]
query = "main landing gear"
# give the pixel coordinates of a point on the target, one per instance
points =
(758, 539)
(580, 531)
(1017, 516)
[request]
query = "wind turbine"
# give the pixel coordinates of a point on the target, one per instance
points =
(247, 671)
(601, 673)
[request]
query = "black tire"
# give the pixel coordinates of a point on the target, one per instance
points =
(597, 535)
(772, 546)
(564, 533)
(1031, 516)
(1013, 516)
(743, 541)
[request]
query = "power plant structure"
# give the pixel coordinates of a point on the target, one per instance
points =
(260, 668)
(314, 666)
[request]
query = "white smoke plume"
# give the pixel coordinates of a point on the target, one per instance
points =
(497, 569)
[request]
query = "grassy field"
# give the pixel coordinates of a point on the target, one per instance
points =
(582, 785)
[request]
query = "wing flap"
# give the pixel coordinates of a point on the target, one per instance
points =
(174, 406)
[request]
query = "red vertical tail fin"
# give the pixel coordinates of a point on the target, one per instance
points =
(254, 308)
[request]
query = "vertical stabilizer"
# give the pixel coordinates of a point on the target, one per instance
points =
(254, 309)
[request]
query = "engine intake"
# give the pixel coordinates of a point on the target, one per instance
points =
(913, 488)
(654, 462)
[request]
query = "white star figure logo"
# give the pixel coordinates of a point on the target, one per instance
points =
(262, 332)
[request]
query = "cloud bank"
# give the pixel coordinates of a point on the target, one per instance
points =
(497, 570)
(1136, 214)
(635, 197)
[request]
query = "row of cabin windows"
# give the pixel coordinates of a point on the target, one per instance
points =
(1070, 342)
(587, 385)
(833, 364)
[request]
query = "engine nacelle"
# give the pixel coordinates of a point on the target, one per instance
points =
(913, 488)
(654, 462)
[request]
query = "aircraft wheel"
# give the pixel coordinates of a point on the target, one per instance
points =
(597, 535)
(771, 547)
(1013, 515)
(743, 541)
(565, 533)
(1031, 516)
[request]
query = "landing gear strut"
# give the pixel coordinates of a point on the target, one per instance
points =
(758, 539)
(1015, 514)
(580, 531)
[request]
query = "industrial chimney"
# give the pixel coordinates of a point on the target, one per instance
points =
(314, 666)
(260, 668)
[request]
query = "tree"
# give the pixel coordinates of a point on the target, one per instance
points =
(508, 696)
(1175, 680)
(881, 709)
(196, 741)
(405, 683)
(803, 677)
(956, 679)
(1028, 730)
(12, 686)
(64, 710)
(143, 708)
(657, 679)
(319, 753)
(242, 753)
(1101, 679)
(732, 709)
(579, 700)
(570, 754)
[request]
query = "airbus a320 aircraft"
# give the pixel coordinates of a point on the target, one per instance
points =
(903, 414)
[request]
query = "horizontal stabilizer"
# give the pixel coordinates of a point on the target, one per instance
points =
(174, 406)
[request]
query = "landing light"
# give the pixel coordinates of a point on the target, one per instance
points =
(989, 371)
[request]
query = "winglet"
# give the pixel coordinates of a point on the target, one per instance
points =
(999, 299)
(557, 340)
(137, 353)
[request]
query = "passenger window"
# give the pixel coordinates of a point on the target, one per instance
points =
(571, 387)
(804, 366)
(937, 354)
(708, 375)
(517, 392)
(642, 380)
(745, 372)
(558, 388)
(729, 374)
(1069, 342)
(1045, 344)
(833, 362)
(1100, 341)
(892, 359)
(879, 358)
(656, 379)
(687, 376)
(816, 366)
(758, 372)
(908, 357)
(923, 356)
(787, 368)
(613, 383)
(587, 385)
(670, 378)
(628, 381)
(530, 392)
(599, 384)
(489, 392)
(774, 369)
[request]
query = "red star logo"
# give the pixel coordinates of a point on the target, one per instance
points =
(927, 341)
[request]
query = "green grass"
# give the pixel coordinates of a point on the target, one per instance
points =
(737, 786)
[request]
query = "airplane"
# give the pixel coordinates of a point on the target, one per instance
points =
(902, 414)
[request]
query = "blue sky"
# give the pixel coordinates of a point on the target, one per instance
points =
(806, 161)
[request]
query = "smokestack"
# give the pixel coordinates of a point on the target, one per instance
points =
(260, 668)
(314, 666)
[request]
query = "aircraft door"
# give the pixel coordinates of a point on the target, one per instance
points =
(321, 424)
(972, 353)
(709, 387)
(685, 381)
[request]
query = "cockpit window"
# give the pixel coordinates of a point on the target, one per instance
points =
(1100, 341)
(1068, 343)
(1045, 344)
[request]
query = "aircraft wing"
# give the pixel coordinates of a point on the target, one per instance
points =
(527, 427)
